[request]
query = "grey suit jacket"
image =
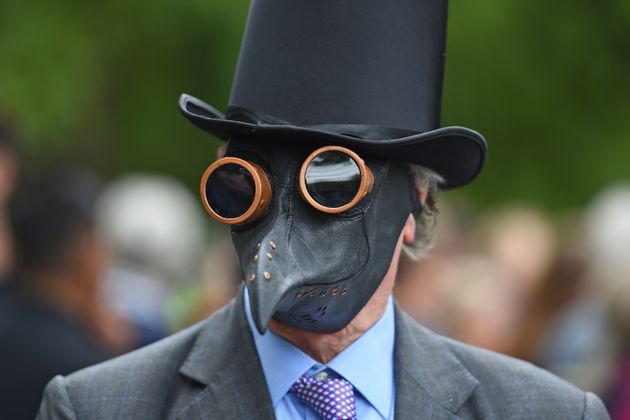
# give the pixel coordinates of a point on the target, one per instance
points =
(212, 371)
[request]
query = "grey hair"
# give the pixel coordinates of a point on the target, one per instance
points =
(424, 178)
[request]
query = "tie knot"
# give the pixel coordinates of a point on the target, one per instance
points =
(330, 398)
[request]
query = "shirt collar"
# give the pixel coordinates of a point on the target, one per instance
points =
(283, 363)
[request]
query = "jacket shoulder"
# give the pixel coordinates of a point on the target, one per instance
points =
(146, 364)
(513, 388)
(144, 383)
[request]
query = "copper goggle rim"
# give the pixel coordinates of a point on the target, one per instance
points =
(262, 191)
(367, 180)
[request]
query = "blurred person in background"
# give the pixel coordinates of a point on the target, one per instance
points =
(9, 171)
(53, 320)
(566, 329)
(220, 281)
(607, 230)
(521, 240)
(421, 281)
(482, 277)
(156, 231)
(478, 303)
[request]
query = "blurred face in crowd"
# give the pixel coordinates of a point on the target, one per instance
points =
(58, 246)
(8, 181)
(86, 264)
(8, 174)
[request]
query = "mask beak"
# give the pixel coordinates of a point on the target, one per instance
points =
(264, 301)
(269, 278)
(295, 280)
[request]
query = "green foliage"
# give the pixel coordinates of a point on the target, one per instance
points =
(545, 82)
(98, 82)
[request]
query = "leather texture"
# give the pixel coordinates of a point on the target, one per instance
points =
(324, 268)
(211, 371)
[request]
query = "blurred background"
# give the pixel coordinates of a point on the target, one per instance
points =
(104, 246)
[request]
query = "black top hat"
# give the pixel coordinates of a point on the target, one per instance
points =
(360, 73)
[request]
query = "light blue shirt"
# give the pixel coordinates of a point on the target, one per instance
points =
(368, 364)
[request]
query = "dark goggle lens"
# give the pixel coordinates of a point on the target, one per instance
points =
(333, 179)
(230, 190)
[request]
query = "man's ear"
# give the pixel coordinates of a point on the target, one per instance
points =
(423, 193)
(409, 230)
(419, 200)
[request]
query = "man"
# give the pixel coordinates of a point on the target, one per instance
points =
(50, 309)
(333, 160)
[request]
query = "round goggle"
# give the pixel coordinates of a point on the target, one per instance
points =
(332, 179)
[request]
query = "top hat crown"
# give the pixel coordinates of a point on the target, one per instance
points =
(361, 73)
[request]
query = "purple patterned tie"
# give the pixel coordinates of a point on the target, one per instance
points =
(330, 398)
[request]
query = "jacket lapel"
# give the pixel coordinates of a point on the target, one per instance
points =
(223, 360)
(431, 383)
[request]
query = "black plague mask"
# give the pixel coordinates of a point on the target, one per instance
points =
(309, 269)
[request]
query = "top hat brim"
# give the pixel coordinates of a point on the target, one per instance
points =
(457, 154)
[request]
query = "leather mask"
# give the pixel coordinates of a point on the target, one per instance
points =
(311, 270)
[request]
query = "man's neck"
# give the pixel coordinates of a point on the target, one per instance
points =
(323, 347)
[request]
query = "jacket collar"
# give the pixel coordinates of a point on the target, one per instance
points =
(430, 379)
(223, 359)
